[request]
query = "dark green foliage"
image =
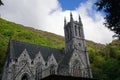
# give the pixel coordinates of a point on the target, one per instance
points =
(112, 12)
(111, 69)
(105, 63)
(105, 59)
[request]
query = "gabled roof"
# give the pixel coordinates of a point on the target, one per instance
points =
(65, 61)
(16, 48)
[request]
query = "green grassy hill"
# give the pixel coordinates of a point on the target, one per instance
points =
(10, 30)
(100, 55)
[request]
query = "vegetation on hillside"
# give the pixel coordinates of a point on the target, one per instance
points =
(105, 59)
(105, 63)
(9, 30)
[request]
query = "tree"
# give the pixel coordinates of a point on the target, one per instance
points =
(111, 8)
(1, 3)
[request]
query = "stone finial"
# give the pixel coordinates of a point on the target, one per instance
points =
(64, 21)
(80, 20)
(71, 17)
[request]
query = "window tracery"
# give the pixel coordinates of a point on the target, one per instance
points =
(76, 69)
(52, 69)
(38, 71)
(79, 32)
(75, 30)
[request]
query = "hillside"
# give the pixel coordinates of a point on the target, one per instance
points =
(100, 55)
(10, 30)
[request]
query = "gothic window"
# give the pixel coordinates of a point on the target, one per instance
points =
(24, 55)
(38, 72)
(76, 71)
(46, 64)
(52, 69)
(67, 34)
(32, 62)
(79, 44)
(75, 30)
(79, 32)
(70, 33)
(25, 77)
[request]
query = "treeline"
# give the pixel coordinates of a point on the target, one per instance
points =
(105, 63)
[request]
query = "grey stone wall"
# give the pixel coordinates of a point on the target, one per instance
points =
(24, 65)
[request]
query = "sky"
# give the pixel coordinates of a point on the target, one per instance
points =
(48, 15)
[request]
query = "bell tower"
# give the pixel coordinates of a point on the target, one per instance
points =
(75, 42)
(74, 35)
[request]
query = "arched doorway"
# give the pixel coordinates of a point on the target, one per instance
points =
(25, 77)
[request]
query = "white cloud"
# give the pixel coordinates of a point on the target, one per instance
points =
(48, 15)
(93, 25)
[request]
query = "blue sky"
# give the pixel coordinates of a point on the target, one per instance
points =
(48, 15)
(70, 4)
(74, 4)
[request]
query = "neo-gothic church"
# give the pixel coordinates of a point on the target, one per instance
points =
(26, 61)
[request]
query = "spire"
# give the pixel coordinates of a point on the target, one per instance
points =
(71, 17)
(64, 21)
(80, 20)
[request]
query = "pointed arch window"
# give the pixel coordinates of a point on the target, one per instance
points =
(38, 71)
(79, 44)
(79, 32)
(76, 69)
(52, 69)
(75, 30)
(68, 34)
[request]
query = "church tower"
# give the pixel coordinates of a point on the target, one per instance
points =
(75, 43)
(74, 34)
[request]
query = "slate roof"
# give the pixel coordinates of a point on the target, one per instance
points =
(16, 48)
(66, 59)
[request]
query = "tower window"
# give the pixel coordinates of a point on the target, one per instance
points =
(31, 62)
(79, 44)
(76, 30)
(79, 32)
(68, 33)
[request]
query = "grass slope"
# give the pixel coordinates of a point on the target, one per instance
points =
(10, 30)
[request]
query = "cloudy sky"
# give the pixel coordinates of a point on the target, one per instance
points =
(48, 15)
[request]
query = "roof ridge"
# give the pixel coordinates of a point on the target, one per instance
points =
(33, 44)
(34, 49)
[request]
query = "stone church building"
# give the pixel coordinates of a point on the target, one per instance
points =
(26, 61)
